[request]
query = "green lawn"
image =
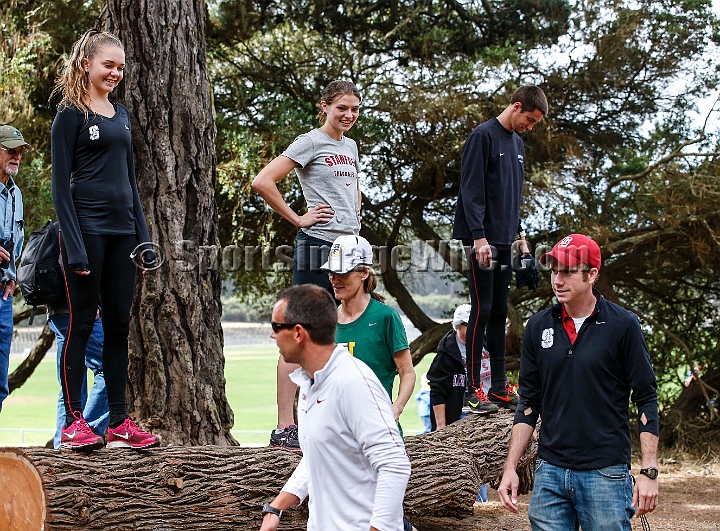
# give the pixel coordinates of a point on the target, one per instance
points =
(250, 375)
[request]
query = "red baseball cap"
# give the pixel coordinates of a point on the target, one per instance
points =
(574, 249)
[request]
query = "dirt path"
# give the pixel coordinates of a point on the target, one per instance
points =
(689, 501)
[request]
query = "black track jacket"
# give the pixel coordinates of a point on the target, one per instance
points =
(492, 173)
(582, 391)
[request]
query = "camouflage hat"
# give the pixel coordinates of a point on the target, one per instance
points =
(11, 137)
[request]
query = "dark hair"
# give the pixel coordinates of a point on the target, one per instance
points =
(585, 269)
(532, 99)
(313, 306)
(333, 90)
(371, 282)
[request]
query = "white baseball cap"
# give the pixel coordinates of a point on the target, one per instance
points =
(462, 315)
(348, 252)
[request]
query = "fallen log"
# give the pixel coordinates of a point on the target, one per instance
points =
(450, 465)
(222, 488)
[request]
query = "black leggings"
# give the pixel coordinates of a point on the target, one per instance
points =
(111, 283)
(489, 290)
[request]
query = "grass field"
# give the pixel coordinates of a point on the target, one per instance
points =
(250, 387)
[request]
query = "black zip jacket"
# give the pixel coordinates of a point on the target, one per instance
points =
(447, 379)
(492, 173)
(582, 391)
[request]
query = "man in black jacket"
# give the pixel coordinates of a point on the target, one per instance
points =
(487, 221)
(448, 377)
(582, 361)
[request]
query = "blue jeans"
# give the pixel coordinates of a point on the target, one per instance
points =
(564, 499)
(6, 333)
(95, 405)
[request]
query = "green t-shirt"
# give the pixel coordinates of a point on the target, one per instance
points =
(374, 338)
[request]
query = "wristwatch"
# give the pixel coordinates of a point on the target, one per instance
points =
(651, 472)
(267, 508)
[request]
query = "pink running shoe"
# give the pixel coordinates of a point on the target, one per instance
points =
(128, 435)
(79, 436)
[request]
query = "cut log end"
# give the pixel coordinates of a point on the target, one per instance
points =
(22, 497)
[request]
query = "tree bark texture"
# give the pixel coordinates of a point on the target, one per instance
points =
(176, 384)
(450, 465)
(171, 489)
(222, 488)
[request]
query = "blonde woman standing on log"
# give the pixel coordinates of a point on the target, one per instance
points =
(102, 223)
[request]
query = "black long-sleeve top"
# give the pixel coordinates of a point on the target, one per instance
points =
(93, 179)
(447, 377)
(582, 390)
(492, 173)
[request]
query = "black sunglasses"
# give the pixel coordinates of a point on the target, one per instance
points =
(282, 326)
(15, 151)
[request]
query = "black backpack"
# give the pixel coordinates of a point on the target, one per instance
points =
(40, 275)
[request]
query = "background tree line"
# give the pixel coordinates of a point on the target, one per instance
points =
(622, 156)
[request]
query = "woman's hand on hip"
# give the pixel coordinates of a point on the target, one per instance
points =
(318, 214)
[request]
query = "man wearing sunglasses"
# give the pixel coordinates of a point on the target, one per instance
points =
(354, 467)
(12, 148)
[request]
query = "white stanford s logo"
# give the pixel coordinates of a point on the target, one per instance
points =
(547, 338)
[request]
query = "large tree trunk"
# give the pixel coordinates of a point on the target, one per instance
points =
(222, 488)
(206, 488)
(176, 382)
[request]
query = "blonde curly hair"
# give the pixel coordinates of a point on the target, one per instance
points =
(72, 81)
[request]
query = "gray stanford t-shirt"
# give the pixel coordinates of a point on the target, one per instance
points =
(328, 172)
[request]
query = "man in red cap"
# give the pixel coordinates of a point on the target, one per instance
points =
(582, 361)
(12, 148)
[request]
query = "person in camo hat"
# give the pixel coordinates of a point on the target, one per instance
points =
(12, 149)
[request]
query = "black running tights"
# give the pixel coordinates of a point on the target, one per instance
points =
(111, 283)
(489, 290)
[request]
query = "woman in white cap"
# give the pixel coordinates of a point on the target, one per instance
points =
(372, 331)
(327, 165)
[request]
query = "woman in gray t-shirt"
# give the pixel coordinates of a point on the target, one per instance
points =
(326, 162)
